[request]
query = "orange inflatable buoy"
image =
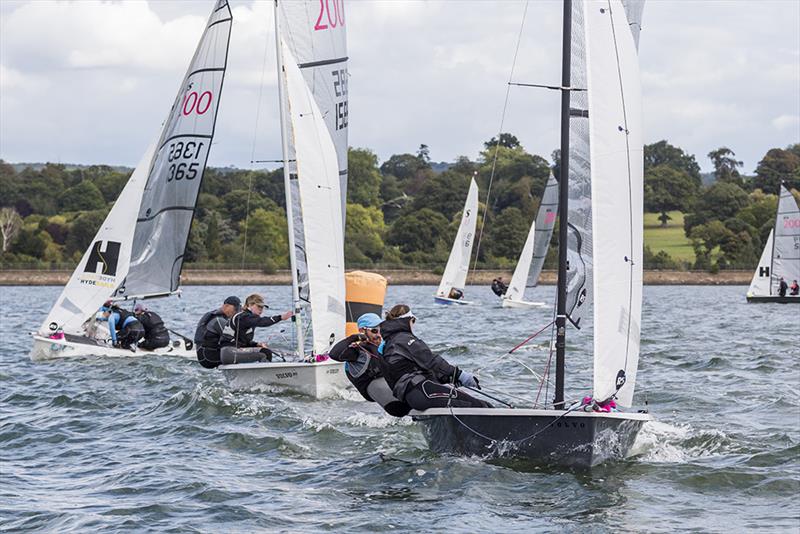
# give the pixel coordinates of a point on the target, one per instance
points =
(364, 293)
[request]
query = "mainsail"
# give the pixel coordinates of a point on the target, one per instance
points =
(455, 272)
(139, 248)
(616, 155)
(319, 199)
(176, 173)
(786, 250)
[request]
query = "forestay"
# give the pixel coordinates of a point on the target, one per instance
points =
(786, 249)
(176, 173)
(760, 285)
(319, 199)
(616, 153)
(455, 272)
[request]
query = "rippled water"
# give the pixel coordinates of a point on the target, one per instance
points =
(162, 444)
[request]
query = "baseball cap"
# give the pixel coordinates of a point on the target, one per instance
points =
(139, 308)
(369, 320)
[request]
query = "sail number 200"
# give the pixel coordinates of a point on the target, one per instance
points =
(183, 151)
(332, 12)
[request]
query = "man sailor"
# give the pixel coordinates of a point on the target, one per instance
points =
(209, 331)
(499, 287)
(782, 287)
(237, 344)
(156, 335)
(123, 327)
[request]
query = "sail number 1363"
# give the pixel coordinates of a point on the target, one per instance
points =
(178, 153)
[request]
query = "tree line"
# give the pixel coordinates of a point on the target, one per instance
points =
(404, 211)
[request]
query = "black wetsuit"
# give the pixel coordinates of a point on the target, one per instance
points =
(364, 372)
(206, 338)
(236, 343)
(499, 288)
(129, 329)
(418, 376)
(155, 333)
(782, 287)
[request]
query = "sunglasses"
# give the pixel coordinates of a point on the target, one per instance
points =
(373, 330)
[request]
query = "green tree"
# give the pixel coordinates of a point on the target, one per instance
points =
(726, 165)
(779, 165)
(83, 229)
(444, 193)
(364, 234)
(363, 177)
(663, 153)
(424, 153)
(667, 189)
(213, 242)
(508, 233)
(237, 202)
(721, 201)
(418, 231)
(267, 238)
(30, 241)
(84, 196)
(507, 140)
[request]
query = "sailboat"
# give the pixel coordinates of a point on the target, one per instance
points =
(139, 250)
(601, 190)
(531, 260)
(312, 87)
(781, 255)
(454, 277)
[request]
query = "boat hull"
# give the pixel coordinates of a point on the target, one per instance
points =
(45, 348)
(317, 379)
(521, 304)
(447, 301)
(774, 299)
(541, 437)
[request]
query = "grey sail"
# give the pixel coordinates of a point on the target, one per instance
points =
(545, 222)
(176, 173)
(633, 11)
(786, 242)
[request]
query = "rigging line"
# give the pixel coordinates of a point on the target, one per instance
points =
(532, 336)
(497, 144)
(253, 148)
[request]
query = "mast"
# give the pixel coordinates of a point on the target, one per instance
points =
(288, 190)
(563, 192)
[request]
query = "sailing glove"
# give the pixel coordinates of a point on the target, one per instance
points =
(469, 380)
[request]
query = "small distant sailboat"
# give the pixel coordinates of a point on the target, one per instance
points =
(531, 260)
(454, 278)
(139, 250)
(313, 97)
(781, 255)
(601, 213)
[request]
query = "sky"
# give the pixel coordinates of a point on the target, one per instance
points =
(91, 81)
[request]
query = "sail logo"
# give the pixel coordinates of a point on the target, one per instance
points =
(550, 217)
(103, 261)
(763, 271)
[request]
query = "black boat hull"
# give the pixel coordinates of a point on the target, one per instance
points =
(543, 437)
(775, 299)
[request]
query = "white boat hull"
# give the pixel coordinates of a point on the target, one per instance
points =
(448, 301)
(317, 379)
(46, 348)
(508, 303)
(543, 437)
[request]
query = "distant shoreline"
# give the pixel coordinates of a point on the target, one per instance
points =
(197, 277)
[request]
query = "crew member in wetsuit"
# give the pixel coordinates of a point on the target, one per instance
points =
(236, 344)
(794, 289)
(360, 352)
(156, 335)
(782, 287)
(209, 331)
(416, 375)
(499, 287)
(124, 328)
(455, 294)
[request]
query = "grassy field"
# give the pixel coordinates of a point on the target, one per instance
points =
(670, 238)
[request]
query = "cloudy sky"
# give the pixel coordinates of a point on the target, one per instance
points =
(90, 81)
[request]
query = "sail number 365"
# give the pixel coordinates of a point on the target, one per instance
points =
(331, 14)
(183, 151)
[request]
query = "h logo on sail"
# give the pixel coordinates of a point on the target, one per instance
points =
(103, 261)
(763, 271)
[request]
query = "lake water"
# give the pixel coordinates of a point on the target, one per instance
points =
(161, 444)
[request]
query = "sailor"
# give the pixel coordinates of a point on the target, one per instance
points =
(416, 375)
(236, 343)
(782, 287)
(794, 289)
(155, 333)
(124, 328)
(499, 287)
(360, 352)
(209, 331)
(455, 294)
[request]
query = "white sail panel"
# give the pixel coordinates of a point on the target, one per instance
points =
(455, 272)
(320, 200)
(176, 173)
(516, 288)
(315, 33)
(105, 263)
(786, 250)
(760, 285)
(545, 222)
(617, 198)
(634, 10)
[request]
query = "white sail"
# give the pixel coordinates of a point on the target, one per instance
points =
(176, 172)
(516, 288)
(616, 152)
(786, 249)
(760, 285)
(545, 223)
(455, 272)
(320, 201)
(105, 263)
